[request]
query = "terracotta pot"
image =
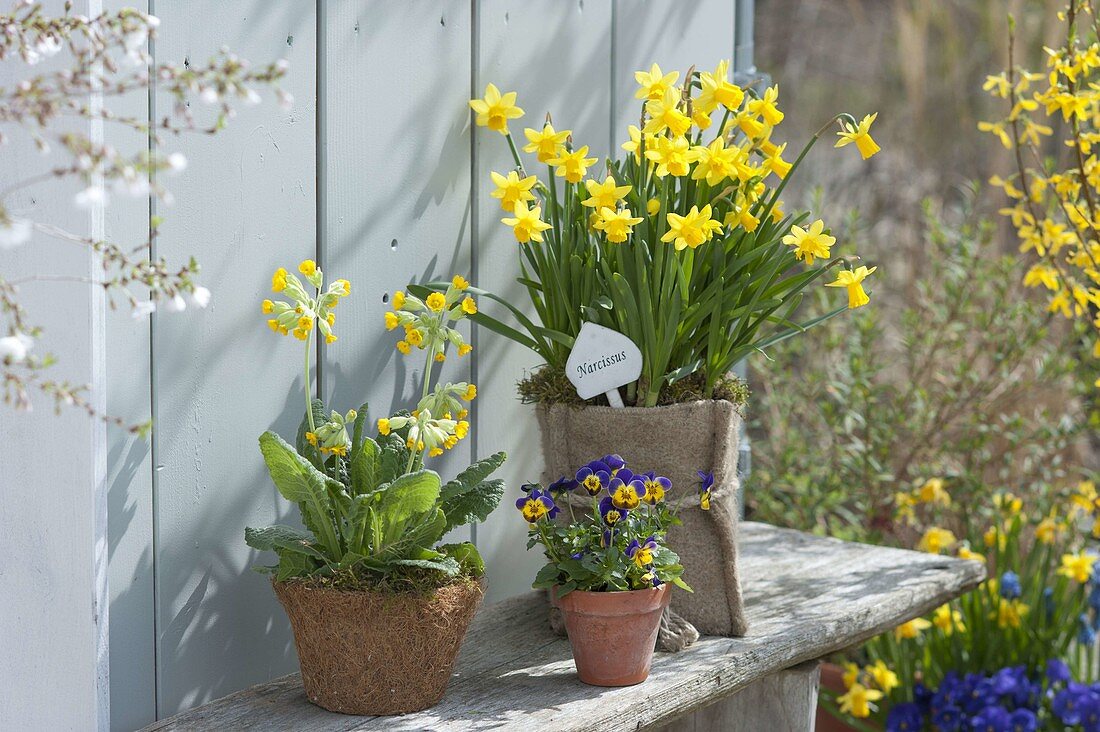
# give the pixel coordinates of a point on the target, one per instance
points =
(613, 633)
(377, 653)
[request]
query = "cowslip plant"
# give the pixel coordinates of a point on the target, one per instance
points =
(617, 544)
(682, 245)
(374, 515)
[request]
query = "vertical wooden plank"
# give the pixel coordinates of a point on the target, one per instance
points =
(129, 460)
(673, 35)
(395, 188)
(53, 621)
(557, 56)
(244, 206)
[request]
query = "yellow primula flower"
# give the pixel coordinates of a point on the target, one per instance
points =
(278, 280)
(494, 110)
(459, 282)
(604, 195)
(692, 229)
(811, 242)
(267, 307)
(853, 280)
(653, 84)
(469, 306)
(1078, 567)
(307, 267)
(511, 189)
(470, 393)
(858, 701)
(546, 144)
(616, 225)
(948, 620)
(673, 155)
(936, 540)
(766, 106)
(403, 346)
(912, 629)
(464, 349)
(932, 491)
(861, 136)
(527, 224)
(572, 165)
(414, 337)
(436, 302)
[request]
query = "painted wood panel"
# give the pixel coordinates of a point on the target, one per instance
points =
(245, 205)
(557, 56)
(53, 620)
(395, 188)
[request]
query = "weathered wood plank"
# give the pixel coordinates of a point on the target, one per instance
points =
(806, 597)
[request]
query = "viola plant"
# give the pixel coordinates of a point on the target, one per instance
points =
(617, 544)
(374, 514)
(980, 659)
(682, 244)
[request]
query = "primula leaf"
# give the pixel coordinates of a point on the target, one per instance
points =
(394, 458)
(473, 505)
(410, 495)
(471, 476)
(357, 430)
(468, 557)
(448, 565)
(300, 482)
(293, 564)
(272, 538)
(365, 467)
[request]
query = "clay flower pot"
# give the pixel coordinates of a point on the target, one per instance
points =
(377, 653)
(613, 633)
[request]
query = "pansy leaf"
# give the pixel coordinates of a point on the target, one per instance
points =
(547, 576)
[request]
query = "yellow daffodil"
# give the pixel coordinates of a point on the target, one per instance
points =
(653, 206)
(766, 106)
(604, 195)
(905, 502)
(511, 189)
(936, 540)
(665, 114)
(634, 144)
(673, 156)
(912, 629)
(948, 620)
(775, 163)
(653, 84)
(1009, 613)
(932, 491)
(861, 136)
(995, 538)
(527, 224)
(494, 109)
(717, 89)
(616, 225)
(851, 675)
(716, 162)
(883, 678)
(692, 229)
(966, 553)
(810, 243)
(1048, 530)
(1078, 567)
(572, 165)
(853, 280)
(546, 144)
(858, 701)
(1008, 503)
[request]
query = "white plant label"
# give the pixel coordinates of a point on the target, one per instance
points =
(601, 361)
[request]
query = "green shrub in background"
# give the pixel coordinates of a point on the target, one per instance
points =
(971, 382)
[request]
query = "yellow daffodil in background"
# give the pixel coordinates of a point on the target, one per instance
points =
(1078, 567)
(966, 553)
(883, 678)
(936, 540)
(948, 620)
(1009, 613)
(604, 195)
(932, 491)
(495, 109)
(911, 629)
(860, 134)
(616, 225)
(858, 701)
(572, 165)
(717, 89)
(547, 144)
(767, 107)
(527, 224)
(904, 504)
(654, 83)
(673, 156)
(811, 242)
(851, 674)
(511, 189)
(692, 229)
(853, 280)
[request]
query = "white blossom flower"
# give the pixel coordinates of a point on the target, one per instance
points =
(48, 46)
(16, 233)
(286, 99)
(91, 196)
(200, 297)
(177, 161)
(143, 308)
(175, 304)
(14, 348)
(209, 95)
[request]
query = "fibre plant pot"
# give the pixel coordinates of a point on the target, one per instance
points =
(377, 653)
(613, 634)
(675, 441)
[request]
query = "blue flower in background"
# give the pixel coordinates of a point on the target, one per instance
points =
(1057, 671)
(1010, 586)
(1008, 680)
(991, 719)
(1048, 602)
(948, 718)
(1023, 720)
(1094, 596)
(906, 717)
(1086, 634)
(922, 695)
(561, 486)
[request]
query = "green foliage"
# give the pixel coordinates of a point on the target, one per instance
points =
(968, 383)
(370, 518)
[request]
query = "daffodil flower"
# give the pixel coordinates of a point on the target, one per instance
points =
(572, 165)
(692, 229)
(616, 225)
(654, 83)
(604, 195)
(853, 280)
(766, 106)
(511, 189)
(861, 136)
(495, 109)
(527, 224)
(810, 243)
(546, 144)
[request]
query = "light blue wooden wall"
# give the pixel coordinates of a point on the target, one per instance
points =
(376, 174)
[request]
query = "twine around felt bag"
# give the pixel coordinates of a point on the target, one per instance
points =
(675, 441)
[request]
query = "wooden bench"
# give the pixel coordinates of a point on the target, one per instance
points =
(806, 597)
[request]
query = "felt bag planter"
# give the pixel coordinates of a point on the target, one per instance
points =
(675, 441)
(612, 633)
(377, 653)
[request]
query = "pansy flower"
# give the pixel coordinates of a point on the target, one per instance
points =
(610, 513)
(652, 579)
(642, 554)
(593, 479)
(626, 495)
(562, 485)
(608, 537)
(706, 482)
(535, 505)
(655, 487)
(614, 463)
